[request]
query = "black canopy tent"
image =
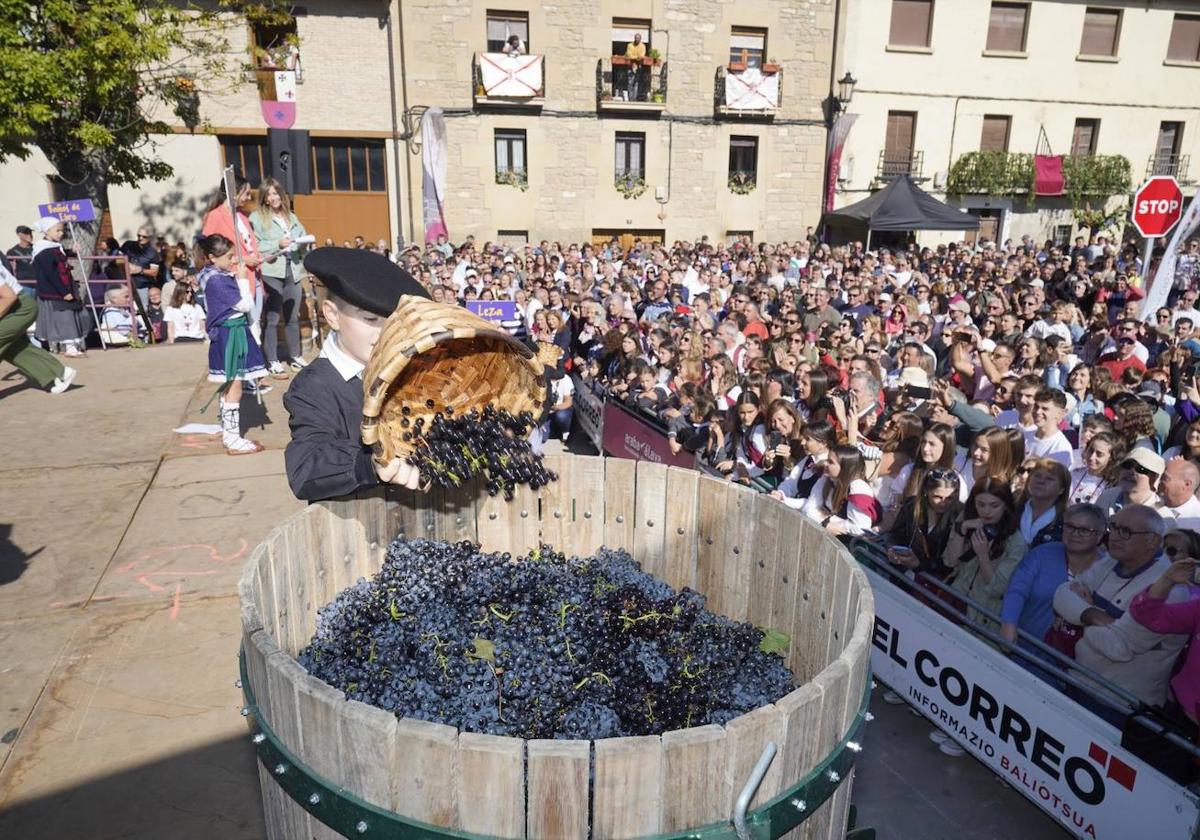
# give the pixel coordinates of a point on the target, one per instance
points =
(901, 206)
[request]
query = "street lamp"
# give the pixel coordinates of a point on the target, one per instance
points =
(846, 89)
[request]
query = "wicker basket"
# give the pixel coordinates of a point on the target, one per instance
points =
(433, 356)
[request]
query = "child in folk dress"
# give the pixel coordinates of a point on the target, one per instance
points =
(233, 356)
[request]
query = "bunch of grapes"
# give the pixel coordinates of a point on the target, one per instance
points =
(542, 646)
(490, 443)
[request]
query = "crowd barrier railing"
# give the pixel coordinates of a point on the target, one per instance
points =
(968, 681)
(92, 288)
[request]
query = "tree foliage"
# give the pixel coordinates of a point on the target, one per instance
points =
(92, 83)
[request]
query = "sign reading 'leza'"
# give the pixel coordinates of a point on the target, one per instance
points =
(1157, 206)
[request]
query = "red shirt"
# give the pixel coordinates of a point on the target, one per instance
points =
(1117, 366)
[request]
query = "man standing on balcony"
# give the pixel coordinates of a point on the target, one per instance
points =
(635, 51)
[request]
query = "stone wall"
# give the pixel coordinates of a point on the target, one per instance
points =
(571, 147)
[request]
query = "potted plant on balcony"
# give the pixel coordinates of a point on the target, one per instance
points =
(742, 183)
(513, 178)
(630, 185)
(653, 57)
(657, 97)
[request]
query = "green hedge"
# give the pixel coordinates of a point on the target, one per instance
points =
(1013, 173)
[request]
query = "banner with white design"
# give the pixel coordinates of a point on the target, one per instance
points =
(1164, 278)
(511, 76)
(751, 90)
(1060, 756)
(433, 174)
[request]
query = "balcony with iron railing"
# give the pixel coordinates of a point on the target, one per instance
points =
(1174, 165)
(999, 173)
(741, 92)
(623, 84)
(892, 166)
(508, 81)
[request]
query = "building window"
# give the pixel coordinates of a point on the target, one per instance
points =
(743, 160)
(1185, 39)
(345, 165)
(1101, 32)
(277, 46)
(1062, 235)
(747, 47)
(502, 25)
(994, 137)
(247, 154)
(510, 153)
(1007, 27)
(1083, 141)
(623, 30)
(912, 23)
(512, 237)
(631, 155)
(898, 143)
(1167, 160)
(735, 236)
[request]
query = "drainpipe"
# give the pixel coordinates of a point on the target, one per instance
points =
(412, 232)
(395, 128)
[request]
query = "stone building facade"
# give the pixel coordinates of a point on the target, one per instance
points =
(940, 80)
(368, 63)
(571, 133)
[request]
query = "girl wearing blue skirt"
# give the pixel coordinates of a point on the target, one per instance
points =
(233, 356)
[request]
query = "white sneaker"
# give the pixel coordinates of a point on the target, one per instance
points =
(277, 369)
(64, 382)
(938, 737)
(892, 698)
(298, 363)
(951, 748)
(259, 386)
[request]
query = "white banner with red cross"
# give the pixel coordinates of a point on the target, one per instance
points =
(511, 76)
(751, 90)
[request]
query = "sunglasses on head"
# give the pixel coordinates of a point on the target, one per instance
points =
(1175, 551)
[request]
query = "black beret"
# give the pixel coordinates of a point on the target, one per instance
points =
(363, 278)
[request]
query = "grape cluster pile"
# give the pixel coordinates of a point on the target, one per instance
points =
(543, 646)
(490, 443)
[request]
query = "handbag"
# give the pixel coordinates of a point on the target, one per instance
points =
(1063, 636)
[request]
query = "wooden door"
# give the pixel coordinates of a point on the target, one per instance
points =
(626, 237)
(1169, 135)
(341, 216)
(1083, 142)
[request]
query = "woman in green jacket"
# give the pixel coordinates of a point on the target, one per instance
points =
(278, 230)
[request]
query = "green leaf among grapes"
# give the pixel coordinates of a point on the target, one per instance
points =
(483, 649)
(773, 641)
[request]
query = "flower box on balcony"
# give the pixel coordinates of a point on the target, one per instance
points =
(622, 61)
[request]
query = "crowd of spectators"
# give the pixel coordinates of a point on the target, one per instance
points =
(1000, 418)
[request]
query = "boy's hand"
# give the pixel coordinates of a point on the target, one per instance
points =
(398, 472)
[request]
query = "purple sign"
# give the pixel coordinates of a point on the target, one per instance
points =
(73, 210)
(626, 436)
(495, 311)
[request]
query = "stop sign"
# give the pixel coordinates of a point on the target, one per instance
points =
(1157, 206)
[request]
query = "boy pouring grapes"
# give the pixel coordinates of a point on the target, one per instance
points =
(326, 457)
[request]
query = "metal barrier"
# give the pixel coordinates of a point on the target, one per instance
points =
(85, 289)
(872, 554)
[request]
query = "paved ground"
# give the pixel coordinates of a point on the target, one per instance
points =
(120, 547)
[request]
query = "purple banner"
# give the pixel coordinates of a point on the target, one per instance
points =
(494, 310)
(627, 436)
(71, 210)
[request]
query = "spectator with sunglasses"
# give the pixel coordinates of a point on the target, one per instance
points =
(1139, 475)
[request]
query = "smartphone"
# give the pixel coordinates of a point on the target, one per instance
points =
(917, 392)
(963, 337)
(774, 440)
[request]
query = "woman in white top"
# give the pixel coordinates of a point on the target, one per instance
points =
(842, 502)
(1101, 462)
(819, 439)
(184, 319)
